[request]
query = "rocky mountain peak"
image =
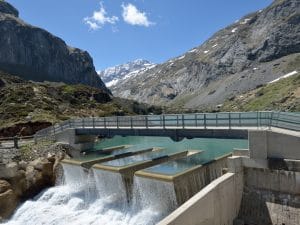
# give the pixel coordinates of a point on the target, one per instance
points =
(7, 8)
(116, 74)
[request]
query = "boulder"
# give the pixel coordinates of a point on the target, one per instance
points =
(8, 203)
(4, 186)
(8, 171)
(43, 165)
(23, 165)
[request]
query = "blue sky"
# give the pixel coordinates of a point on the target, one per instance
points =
(118, 31)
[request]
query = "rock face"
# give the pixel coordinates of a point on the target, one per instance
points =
(113, 75)
(22, 180)
(255, 50)
(35, 54)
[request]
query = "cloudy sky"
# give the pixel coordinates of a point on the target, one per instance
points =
(118, 31)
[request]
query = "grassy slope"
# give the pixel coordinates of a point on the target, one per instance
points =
(21, 101)
(282, 95)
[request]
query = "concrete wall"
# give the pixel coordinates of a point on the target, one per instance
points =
(268, 144)
(188, 184)
(78, 142)
(270, 197)
(216, 204)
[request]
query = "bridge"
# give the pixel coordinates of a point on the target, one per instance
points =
(233, 125)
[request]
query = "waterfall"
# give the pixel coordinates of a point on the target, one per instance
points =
(110, 186)
(154, 195)
(96, 197)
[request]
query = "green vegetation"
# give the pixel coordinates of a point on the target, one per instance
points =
(282, 95)
(22, 102)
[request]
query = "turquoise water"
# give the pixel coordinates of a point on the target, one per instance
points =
(179, 165)
(135, 159)
(212, 148)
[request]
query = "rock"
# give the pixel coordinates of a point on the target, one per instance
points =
(9, 170)
(4, 186)
(43, 165)
(35, 54)
(23, 165)
(8, 9)
(8, 203)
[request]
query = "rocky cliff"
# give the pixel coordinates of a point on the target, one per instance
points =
(35, 54)
(253, 51)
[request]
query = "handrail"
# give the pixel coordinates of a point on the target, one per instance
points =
(226, 120)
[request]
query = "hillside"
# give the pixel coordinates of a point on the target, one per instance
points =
(253, 51)
(35, 54)
(30, 106)
(283, 95)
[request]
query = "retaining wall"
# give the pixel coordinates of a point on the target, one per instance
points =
(216, 204)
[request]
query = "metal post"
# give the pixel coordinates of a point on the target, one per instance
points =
(229, 117)
(93, 122)
(164, 121)
(146, 121)
(204, 118)
(117, 122)
(82, 123)
(217, 119)
(131, 122)
(16, 142)
(196, 121)
(182, 118)
(270, 122)
(257, 119)
(177, 120)
(240, 122)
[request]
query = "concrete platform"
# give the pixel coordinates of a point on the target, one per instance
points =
(189, 180)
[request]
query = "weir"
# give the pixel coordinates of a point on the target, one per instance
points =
(185, 175)
(127, 166)
(109, 154)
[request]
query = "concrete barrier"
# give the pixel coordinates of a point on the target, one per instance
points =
(216, 204)
(268, 144)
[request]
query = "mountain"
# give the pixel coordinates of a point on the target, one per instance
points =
(280, 95)
(30, 106)
(35, 54)
(251, 52)
(112, 76)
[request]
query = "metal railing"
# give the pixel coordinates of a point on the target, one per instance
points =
(226, 120)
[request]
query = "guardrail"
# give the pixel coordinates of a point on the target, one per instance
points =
(226, 120)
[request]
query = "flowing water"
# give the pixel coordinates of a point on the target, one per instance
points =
(98, 197)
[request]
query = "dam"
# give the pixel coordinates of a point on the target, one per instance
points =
(147, 180)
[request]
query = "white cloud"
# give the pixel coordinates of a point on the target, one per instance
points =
(133, 16)
(99, 19)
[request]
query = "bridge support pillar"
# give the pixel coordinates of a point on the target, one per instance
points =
(78, 142)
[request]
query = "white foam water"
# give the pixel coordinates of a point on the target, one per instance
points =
(154, 195)
(95, 197)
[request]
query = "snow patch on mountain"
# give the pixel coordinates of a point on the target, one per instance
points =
(113, 75)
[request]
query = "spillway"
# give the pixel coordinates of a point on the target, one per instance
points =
(87, 197)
